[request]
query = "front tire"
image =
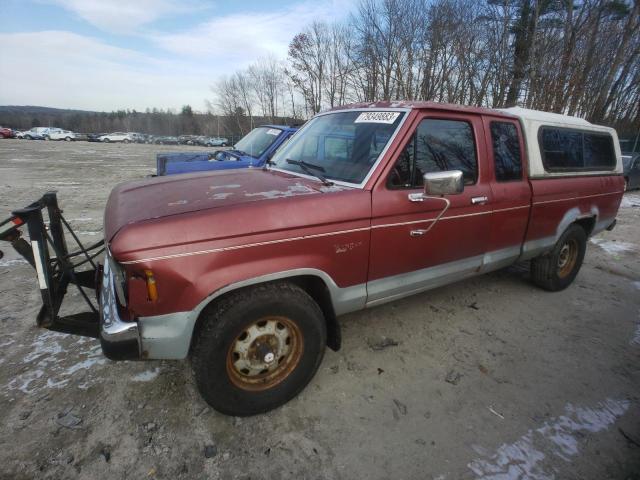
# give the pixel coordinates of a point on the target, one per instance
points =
(106, 140)
(258, 348)
(557, 269)
(67, 139)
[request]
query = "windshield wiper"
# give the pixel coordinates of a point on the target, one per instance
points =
(309, 168)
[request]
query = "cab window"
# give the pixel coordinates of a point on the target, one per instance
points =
(506, 151)
(437, 145)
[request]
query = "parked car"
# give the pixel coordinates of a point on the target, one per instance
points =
(36, 133)
(6, 132)
(253, 150)
(247, 271)
(59, 134)
(117, 137)
(217, 142)
(165, 140)
(95, 137)
(631, 166)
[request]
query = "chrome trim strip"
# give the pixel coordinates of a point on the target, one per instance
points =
(398, 286)
(114, 332)
(305, 237)
(247, 245)
(577, 198)
(378, 160)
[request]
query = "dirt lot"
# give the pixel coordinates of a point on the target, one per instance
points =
(490, 378)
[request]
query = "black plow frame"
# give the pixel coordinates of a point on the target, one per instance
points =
(56, 268)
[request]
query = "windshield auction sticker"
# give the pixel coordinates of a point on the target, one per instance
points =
(377, 117)
(273, 131)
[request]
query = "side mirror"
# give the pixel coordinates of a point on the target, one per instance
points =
(450, 182)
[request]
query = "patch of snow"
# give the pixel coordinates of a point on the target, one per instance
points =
(292, 191)
(218, 187)
(147, 375)
(630, 200)
(47, 363)
(613, 247)
(636, 336)
(220, 196)
(523, 458)
(177, 202)
(11, 263)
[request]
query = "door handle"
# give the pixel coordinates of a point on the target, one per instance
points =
(417, 233)
(479, 200)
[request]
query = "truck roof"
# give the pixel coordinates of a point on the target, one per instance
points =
(546, 117)
(418, 105)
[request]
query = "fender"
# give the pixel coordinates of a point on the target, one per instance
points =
(169, 336)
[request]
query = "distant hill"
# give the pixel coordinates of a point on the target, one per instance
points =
(37, 110)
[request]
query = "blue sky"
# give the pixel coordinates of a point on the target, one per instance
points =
(112, 54)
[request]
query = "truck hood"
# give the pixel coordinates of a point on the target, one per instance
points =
(159, 197)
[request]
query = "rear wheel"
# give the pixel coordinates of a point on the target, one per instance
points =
(67, 139)
(106, 140)
(557, 269)
(258, 348)
(126, 140)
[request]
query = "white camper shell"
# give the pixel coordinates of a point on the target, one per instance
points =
(538, 125)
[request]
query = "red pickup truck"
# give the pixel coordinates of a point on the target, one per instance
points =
(246, 271)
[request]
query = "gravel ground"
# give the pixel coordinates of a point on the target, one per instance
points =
(490, 378)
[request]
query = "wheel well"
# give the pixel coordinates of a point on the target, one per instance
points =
(588, 224)
(314, 287)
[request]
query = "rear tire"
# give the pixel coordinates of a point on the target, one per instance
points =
(557, 269)
(106, 140)
(125, 140)
(67, 139)
(258, 348)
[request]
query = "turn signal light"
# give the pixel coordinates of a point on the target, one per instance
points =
(152, 289)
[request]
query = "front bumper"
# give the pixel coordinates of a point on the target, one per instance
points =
(120, 339)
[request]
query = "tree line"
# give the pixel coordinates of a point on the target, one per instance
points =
(567, 56)
(152, 121)
(574, 57)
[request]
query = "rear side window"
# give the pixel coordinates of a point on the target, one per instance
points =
(506, 151)
(599, 152)
(566, 150)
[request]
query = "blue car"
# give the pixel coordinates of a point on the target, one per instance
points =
(253, 150)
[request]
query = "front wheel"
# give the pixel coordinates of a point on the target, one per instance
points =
(106, 140)
(557, 269)
(126, 140)
(258, 348)
(67, 139)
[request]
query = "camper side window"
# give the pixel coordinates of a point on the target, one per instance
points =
(568, 150)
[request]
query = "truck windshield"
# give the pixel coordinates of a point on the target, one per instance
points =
(256, 142)
(345, 144)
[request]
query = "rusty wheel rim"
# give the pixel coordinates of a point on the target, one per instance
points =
(264, 353)
(567, 257)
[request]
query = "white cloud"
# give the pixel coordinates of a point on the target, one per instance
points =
(243, 37)
(124, 16)
(64, 69)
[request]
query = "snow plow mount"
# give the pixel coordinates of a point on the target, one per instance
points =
(56, 267)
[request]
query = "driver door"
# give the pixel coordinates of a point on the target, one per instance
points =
(410, 249)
